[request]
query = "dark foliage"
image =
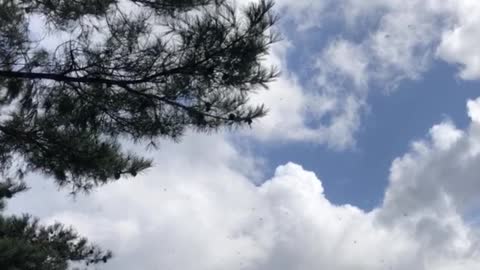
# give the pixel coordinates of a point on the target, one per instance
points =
(145, 72)
(25, 244)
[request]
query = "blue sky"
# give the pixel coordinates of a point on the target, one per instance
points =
(367, 160)
(393, 121)
(394, 118)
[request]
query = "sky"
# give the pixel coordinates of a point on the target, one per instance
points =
(368, 158)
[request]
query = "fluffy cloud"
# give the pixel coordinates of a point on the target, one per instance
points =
(291, 106)
(378, 44)
(459, 42)
(198, 209)
(328, 109)
(397, 41)
(295, 113)
(402, 35)
(439, 173)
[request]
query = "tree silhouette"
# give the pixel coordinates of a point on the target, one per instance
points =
(147, 71)
(134, 69)
(25, 244)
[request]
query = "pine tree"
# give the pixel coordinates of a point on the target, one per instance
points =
(146, 72)
(27, 245)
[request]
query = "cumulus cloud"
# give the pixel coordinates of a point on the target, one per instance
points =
(295, 113)
(198, 209)
(459, 42)
(402, 35)
(328, 109)
(398, 40)
(398, 43)
(439, 172)
(378, 44)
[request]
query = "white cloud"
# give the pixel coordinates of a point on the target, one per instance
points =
(474, 110)
(459, 41)
(197, 209)
(345, 58)
(441, 171)
(297, 114)
(328, 109)
(414, 29)
(398, 41)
